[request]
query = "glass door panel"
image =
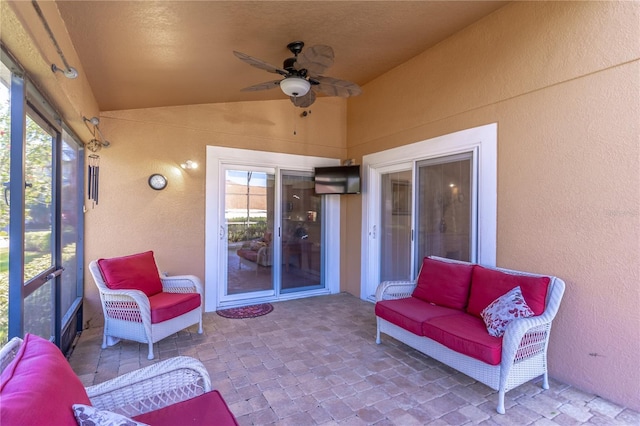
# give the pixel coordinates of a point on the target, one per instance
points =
(39, 243)
(38, 211)
(249, 220)
(71, 285)
(302, 233)
(444, 203)
(395, 226)
(5, 171)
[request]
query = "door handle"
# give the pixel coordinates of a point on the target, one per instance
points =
(7, 188)
(54, 274)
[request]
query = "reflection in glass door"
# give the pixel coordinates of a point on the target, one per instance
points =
(445, 207)
(249, 221)
(302, 234)
(395, 225)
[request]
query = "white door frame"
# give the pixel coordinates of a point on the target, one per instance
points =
(216, 260)
(483, 140)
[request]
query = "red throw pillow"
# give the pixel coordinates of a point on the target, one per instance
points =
(39, 387)
(444, 283)
(489, 284)
(134, 272)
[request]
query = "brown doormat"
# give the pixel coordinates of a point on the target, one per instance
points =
(246, 311)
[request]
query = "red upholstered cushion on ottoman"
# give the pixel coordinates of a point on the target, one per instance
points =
(39, 387)
(444, 283)
(134, 272)
(410, 312)
(206, 409)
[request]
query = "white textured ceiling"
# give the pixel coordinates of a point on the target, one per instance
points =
(140, 54)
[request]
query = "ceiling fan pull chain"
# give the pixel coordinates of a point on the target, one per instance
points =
(295, 122)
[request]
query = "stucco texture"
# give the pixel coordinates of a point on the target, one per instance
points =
(561, 80)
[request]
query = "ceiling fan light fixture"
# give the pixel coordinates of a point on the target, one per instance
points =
(295, 86)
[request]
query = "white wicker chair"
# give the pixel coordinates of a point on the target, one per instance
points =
(141, 391)
(127, 313)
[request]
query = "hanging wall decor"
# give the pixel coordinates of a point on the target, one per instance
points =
(93, 174)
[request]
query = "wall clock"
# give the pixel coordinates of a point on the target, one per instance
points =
(157, 181)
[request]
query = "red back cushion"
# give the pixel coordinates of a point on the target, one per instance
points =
(488, 284)
(444, 283)
(39, 387)
(135, 272)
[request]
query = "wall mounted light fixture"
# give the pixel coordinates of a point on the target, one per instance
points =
(189, 165)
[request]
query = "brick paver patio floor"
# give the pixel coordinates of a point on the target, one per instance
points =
(314, 361)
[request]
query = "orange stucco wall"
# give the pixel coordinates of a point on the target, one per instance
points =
(132, 217)
(560, 79)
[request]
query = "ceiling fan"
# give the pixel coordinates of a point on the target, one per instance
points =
(303, 75)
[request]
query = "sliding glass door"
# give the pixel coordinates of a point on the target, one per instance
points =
(267, 229)
(444, 207)
(302, 236)
(268, 255)
(435, 197)
(411, 218)
(39, 243)
(249, 220)
(41, 224)
(396, 189)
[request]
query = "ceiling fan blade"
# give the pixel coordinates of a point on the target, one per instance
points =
(304, 101)
(255, 62)
(315, 59)
(335, 87)
(262, 86)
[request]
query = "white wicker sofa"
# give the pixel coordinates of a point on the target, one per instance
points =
(439, 314)
(38, 387)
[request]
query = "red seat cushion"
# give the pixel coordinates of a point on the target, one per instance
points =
(444, 283)
(409, 313)
(248, 254)
(134, 272)
(488, 284)
(465, 334)
(165, 306)
(206, 409)
(39, 387)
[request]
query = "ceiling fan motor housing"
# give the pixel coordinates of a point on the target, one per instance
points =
(289, 64)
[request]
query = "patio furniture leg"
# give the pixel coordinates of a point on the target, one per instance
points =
(378, 331)
(104, 341)
(545, 380)
(150, 356)
(500, 408)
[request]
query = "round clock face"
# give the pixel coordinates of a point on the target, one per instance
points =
(157, 181)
